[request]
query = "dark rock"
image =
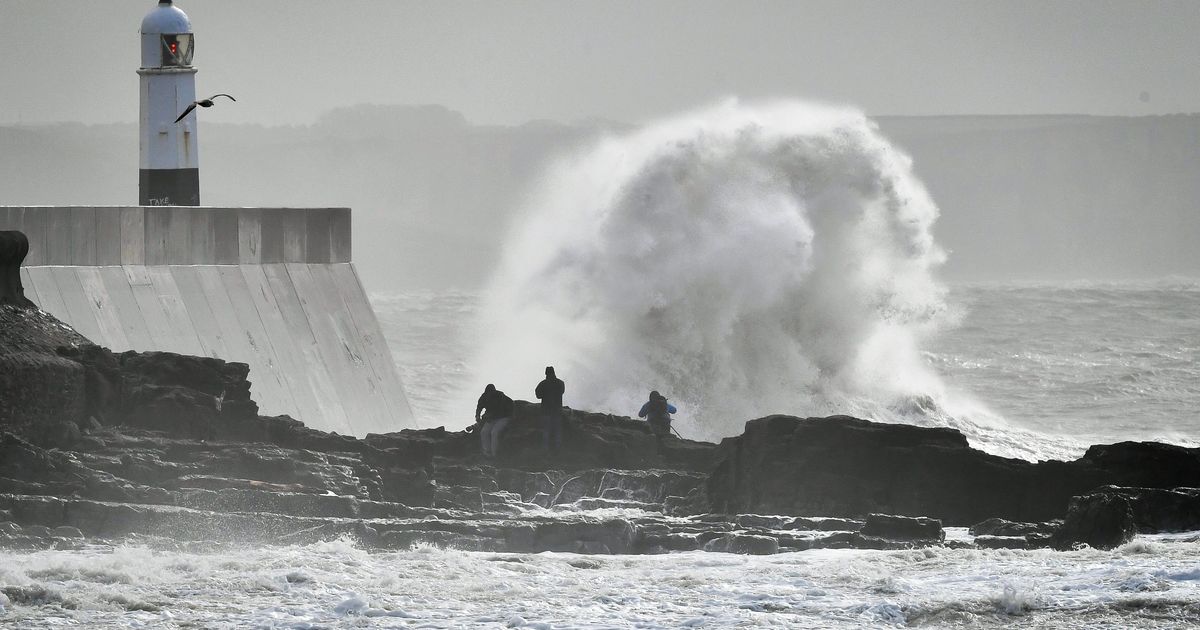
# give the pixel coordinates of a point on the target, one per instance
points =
(612, 536)
(826, 524)
(669, 541)
(37, 531)
(14, 246)
(1145, 464)
(1102, 520)
(793, 542)
(465, 542)
(1008, 529)
(1001, 542)
(860, 541)
(744, 544)
(904, 528)
(36, 389)
(764, 522)
(695, 502)
(836, 540)
(845, 467)
(1039, 541)
(66, 531)
(458, 497)
(1159, 510)
(38, 595)
(593, 503)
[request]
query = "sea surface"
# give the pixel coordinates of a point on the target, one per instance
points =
(1085, 363)
(1153, 582)
(1073, 363)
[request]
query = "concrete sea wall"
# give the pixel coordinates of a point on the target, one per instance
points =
(271, 287)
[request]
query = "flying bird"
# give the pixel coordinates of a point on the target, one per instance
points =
(206, 102)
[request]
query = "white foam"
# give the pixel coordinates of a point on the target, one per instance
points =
(744, 260)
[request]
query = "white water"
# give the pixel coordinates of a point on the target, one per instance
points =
(742, 260)
(1152, 582)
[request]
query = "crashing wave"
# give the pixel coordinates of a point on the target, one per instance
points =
(745, 260)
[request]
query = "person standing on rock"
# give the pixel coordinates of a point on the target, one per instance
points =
(497, 410)
(550, 392)
(657, 412)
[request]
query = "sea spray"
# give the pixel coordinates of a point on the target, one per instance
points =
(743, 260)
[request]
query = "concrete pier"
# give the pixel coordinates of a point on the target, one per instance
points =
(271, 287)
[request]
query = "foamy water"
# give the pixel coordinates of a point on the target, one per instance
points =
(1152, 582)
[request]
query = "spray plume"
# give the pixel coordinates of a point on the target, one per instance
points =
(741, 260)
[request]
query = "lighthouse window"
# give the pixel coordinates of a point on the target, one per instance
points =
(177, 49)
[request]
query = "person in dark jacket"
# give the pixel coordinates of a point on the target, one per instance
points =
(550, 392)
(497, 410)
(657, 412)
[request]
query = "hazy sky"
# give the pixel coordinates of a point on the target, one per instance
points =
(509, 62)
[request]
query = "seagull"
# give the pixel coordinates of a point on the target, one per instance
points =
(207, 102)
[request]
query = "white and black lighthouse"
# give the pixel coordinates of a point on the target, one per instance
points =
(169, 172)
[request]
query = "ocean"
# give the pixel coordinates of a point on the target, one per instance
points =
(743, 261)
(1153, 582)
(1068, 364)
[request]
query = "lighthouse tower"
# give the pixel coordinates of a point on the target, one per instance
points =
(169, 169)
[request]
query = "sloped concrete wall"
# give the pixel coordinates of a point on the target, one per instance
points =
(271, 287)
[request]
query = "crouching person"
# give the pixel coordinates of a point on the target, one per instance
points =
(497, 410)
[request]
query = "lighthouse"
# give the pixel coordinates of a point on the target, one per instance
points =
(272, 288)
(169, 170)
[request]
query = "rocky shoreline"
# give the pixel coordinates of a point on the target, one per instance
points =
(170, 450)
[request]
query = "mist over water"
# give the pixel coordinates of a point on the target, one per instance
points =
(743, 260)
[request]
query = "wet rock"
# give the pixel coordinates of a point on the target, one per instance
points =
(458, 497)
(860, 541)
(38, 595)
(601, 536)
(1103, 521)
(37, 531)
(264, 500)
(1001, 542)
(1006, 528)
(36, 389)
(1161, 510)
(743, 544)
(209, 482)
(826, 524)
(66, 531)
(587, 503)
(763, 521)
(836, 540)
(408, 486)
(904, 528)
(846, 467)
(465, 542)
(1145, 464)
(695, 502)
(669, 541)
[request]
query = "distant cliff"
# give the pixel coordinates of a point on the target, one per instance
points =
(1021, 196)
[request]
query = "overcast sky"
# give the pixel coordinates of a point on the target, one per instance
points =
(510, 62)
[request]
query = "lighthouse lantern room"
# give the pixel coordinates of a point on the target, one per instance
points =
(169, 173)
